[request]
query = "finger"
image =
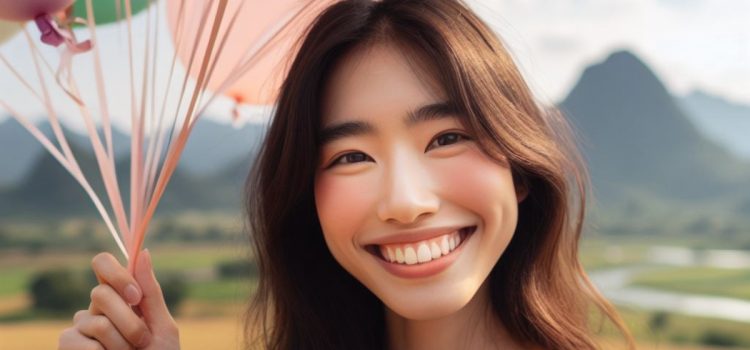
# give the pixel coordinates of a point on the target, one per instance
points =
(72, 339)
(153, 306)
(108, 270)
(107, 302)
(79, 315)
(102, 329)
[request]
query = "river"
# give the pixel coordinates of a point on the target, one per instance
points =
(615, 284)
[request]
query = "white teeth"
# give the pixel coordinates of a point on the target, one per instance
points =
(423, 253)
(384, 253)
(410, 256)
(445, 246)
(399, 256)
(435, 250)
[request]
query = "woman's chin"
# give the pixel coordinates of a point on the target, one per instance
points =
(428, 307)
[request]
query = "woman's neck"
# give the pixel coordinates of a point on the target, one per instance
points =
(474, 326)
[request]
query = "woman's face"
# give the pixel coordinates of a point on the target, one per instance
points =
(407, 201)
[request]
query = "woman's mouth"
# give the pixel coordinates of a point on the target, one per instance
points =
(421, 252)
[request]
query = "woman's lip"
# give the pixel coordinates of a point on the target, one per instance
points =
(413, 236)
(425, 269)
(375, 248)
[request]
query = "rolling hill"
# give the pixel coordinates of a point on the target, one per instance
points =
(636, 137)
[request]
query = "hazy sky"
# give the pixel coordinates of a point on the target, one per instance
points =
(690, 44)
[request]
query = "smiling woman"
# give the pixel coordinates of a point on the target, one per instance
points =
(411, 194)
(418, 186)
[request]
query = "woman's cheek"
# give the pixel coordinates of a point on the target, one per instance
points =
(478, 183)
(343, 203)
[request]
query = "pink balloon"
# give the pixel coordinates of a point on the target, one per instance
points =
(260, 84)
(27, 10)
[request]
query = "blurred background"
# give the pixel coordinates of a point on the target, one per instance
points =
(658, 91)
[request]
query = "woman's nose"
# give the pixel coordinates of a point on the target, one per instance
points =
(408, 192)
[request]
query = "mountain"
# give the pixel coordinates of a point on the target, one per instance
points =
(210, 176)
(48, 188)
(722, 121)
(211, 147)
(650, 163)
(637, 138)
(50, 191)
(19, 149)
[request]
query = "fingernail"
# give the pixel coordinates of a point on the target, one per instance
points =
(145, 339)
(132, 295)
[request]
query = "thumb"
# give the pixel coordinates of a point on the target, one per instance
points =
(152, 305)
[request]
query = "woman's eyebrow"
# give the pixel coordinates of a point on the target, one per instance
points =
(433, 111)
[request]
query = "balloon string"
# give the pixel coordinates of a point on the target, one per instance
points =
(90, 23)
(174, 152)
(222, 43)
(109, 171)
(71, 167)
(155, 122)
(254, 52)
(136, 136)
(142, 127)
(54, 35)
(174, 131)
(161, 130)
(71, 163)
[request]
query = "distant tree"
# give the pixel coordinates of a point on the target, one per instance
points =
(731, 229)
(4, 236)
(175, 288)
(60, 291)
(95, 246)
(166, 230)
(700, 225)
(188, 234)
(34, 247)
(680, 338)
(658, 322)
(242, 268)
(715, 337)
(213, 233)
(65, 291)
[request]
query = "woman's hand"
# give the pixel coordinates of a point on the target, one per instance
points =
(111, 322)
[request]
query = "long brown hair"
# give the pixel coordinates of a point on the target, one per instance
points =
(539, 290)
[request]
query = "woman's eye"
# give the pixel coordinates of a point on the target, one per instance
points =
(349, 158)
(446, 139)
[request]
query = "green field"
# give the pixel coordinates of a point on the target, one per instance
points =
(197, 263)
(734, 283)
(609, 252)
(212, 301)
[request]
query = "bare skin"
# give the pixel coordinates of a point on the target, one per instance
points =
(405, 179)
(111, 322)
(465, 329)
(472, 327)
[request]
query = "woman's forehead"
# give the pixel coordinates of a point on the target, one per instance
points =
(377, 79)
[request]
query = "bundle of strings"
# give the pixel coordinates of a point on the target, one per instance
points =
(159, 130)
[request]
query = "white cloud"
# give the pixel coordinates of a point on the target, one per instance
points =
(689, 44)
